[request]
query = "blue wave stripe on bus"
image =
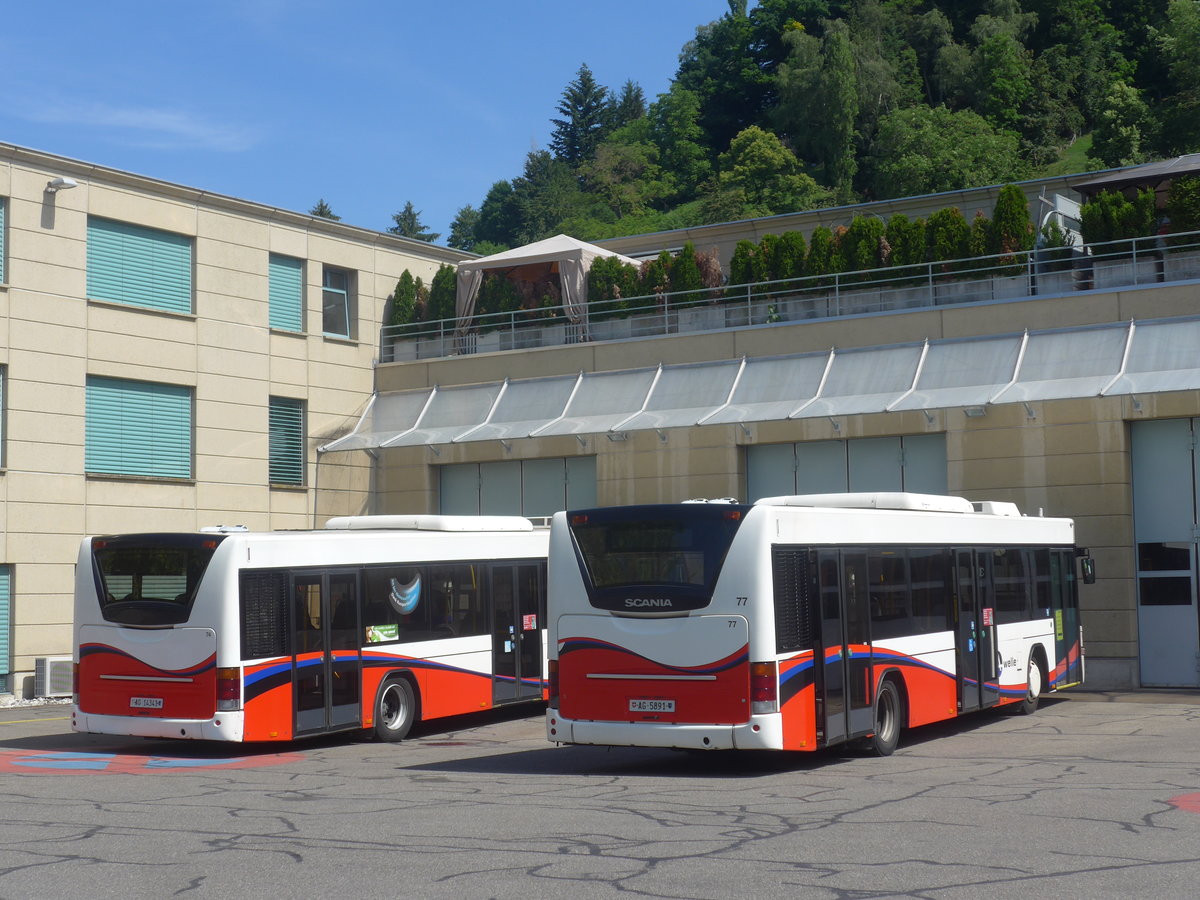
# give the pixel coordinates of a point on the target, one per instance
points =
(571, 644)
(86, 650)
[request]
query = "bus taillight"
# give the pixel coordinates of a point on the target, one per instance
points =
(552, 667)
(229, 689)
(764, 687)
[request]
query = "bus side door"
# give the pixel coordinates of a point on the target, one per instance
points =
(325, 652)
(517, 622)
(844, 674)
(974, 631)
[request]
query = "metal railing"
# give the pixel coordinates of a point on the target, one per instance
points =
(1043, 272)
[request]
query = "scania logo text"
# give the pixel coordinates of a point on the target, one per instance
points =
(644, 602)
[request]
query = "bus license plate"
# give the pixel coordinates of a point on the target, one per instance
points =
(652, 706)
(145, 703)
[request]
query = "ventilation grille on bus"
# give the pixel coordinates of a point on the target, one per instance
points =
(52, 676)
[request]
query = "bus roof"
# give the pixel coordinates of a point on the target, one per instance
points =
(429, 523)
(892, 500)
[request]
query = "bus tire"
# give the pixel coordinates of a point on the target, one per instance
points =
(1035, 682)
(395, 709)
(888, 708)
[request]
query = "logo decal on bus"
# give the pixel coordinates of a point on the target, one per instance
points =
(405, 597)
(642, 602)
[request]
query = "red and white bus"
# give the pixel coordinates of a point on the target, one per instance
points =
(803, 622)
(373, 623)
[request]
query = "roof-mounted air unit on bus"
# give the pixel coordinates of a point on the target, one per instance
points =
(876, 500)
(429, 523)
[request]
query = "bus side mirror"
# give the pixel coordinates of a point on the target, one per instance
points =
(1087, 567)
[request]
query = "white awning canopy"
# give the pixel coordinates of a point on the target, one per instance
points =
(1102, 360)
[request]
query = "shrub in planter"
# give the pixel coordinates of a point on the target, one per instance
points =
(1011, 235)
(862, 244)
(1111, 216)
(980, 243)
(741, 264)
(404, 300)
(442, 294)
(610, 284)
(823, 254)
(948, 238)
(685, 275)
(1056, 248)
(790, 255)
(1183, 207)
(906, 238)
(655, 277)
(496, 295)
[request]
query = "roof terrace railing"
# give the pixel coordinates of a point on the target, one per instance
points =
(1043, 272)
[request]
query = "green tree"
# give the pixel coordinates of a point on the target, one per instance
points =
(499, 217)
(627, 106)
(862, 243)
(1179, 42)
(1003, 82)
(584, 108)
(323, 210)
(824, 256)
(790, 255)
(408, 224)
(1183, 204)
(624, 172)
(675, 130)
(546, 194)
(766, 176)
(1123, 128)
(463, 228)
(920, 150)
(906, 237)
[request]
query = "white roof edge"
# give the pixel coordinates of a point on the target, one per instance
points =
(875, 500)
(429, 523)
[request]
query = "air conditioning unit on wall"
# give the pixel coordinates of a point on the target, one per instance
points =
(53, 676)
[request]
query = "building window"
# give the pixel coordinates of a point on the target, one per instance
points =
(286, 441)
(5, 628)
(3, 235)
(338, 307)
(139, 266)
(138, 428)
(286, 293)
(530, 487)
(915, 463)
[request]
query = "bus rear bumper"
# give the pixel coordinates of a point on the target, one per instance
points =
(760, 733)
(226, 726)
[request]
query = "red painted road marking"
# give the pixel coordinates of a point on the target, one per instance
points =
(55, 762)
(1186, 802)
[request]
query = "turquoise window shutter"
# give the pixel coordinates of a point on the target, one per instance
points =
(139, 266)
(5, 625)
(286, 293)
(138, 428)
(286, 441)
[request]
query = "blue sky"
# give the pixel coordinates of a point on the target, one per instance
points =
(367, 104)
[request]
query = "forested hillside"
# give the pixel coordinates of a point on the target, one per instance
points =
(796, 104)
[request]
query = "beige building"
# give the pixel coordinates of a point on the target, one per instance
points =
(169, 359)
(1070, 393)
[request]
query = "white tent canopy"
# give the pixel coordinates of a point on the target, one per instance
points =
(573, 259)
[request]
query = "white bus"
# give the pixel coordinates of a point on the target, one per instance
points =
(803, 622)
(373, 623)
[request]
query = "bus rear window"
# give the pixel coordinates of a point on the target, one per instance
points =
(150, 579)
(674, 552)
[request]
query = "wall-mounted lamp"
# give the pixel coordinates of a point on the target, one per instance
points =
(837, 426)
(975, 412)
(618, 436)
(1029, 413)
(60, 184)
(662, 435)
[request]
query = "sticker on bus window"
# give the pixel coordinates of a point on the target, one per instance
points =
(377, 633)
(987, 617)
(529, 623)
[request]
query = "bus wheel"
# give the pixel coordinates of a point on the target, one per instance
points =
(395, 710)
(1036, 681)
(887, 720)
